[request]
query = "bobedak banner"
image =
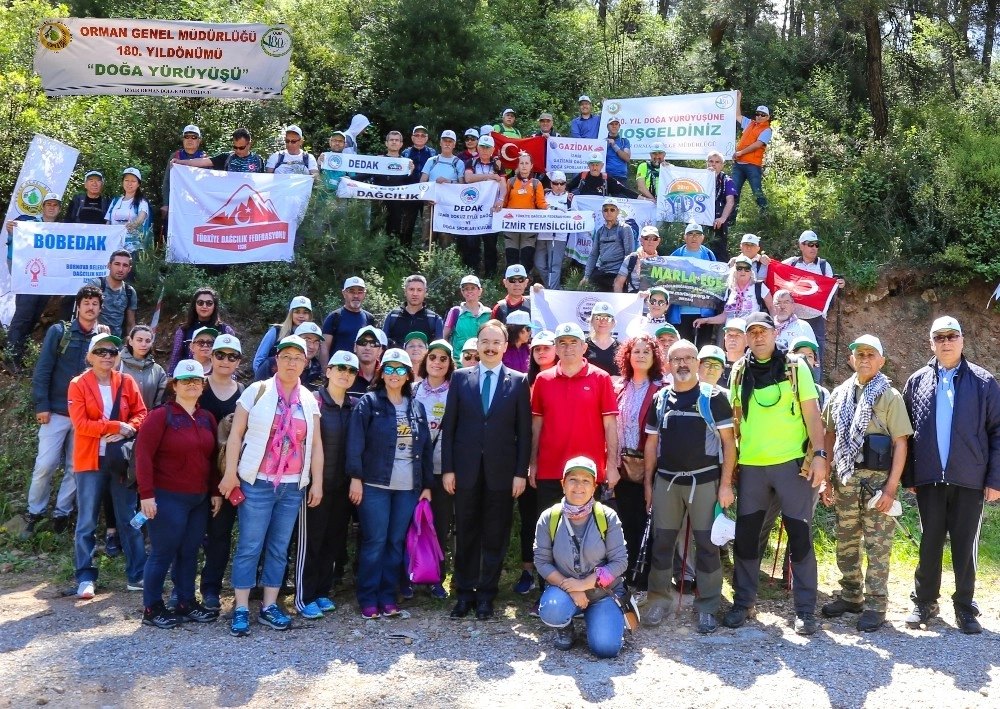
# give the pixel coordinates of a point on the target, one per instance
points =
(51, 258)
(234, 217)
(685, 195)
(689, 125)
(571, 154)
(536, 220)
(367, 164)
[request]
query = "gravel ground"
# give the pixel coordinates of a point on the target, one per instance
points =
(65, 652)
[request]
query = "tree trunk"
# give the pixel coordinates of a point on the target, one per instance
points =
(602, 11)
(662, 7)
(873, 72)
(990, 31)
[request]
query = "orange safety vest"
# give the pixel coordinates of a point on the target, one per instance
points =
(749, 137)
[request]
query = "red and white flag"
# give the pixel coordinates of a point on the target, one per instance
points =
(510, 148)
(812, 292)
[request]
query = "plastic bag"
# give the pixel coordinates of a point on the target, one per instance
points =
(422, 547)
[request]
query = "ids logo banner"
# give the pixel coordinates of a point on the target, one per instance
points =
(686, 195)
(54, 36)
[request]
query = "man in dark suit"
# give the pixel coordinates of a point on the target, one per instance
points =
(486, 442)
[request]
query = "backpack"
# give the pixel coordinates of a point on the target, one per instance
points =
(704, 407)
(453, 164)
(281, 159)
(135, 207)
(65, 338)
(603, 188)
(504, 309)
(819, 262)
(259, 162)
(530, 184)
(630, 266)
(650, 176)
(600, 517)
(129, 291)
(73, 215)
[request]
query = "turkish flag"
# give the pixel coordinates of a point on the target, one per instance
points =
(812, 292)
(509, 148)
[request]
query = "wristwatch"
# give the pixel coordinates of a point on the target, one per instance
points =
(820, 453)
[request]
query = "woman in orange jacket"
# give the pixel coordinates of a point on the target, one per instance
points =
(523, 192)
(106, 408)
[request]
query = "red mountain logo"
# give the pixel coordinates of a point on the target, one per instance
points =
(246, 221)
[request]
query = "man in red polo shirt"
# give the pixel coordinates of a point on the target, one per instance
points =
(574, 413)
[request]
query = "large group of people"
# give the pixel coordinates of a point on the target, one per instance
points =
(632, 433)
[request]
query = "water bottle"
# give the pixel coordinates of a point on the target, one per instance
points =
(139, 520)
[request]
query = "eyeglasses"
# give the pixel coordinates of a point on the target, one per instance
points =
(344, 368)
(950, 337)
(712, 366)
(103, 352)
(222, 356)
(516, 279)
(291, 359)
(558, 183)
(609, 209)
(203, 343)
(651, 238)
(293, 141)
(469, 356)
(204, 303)
(367, 343)
(811, 244)
(682, 360)
(657, 302)
(190, 136)
(743, 268)
(398, 371)
(602, 317)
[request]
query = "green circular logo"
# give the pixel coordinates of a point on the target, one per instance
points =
(276, 42)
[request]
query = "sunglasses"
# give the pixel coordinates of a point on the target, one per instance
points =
(368, 343)
(400, 371)
(758, 113)
(657, 302)
(103, 352)
(203, 343)
(204, 303)
(438, 358)
(743, 268)
(650, 238)
(516, 279)
(811, 244)
(558, 183)
(231, 356)
(609, 209)
(293, 141)
(602, 317)
(190, 136)
(240, 147)
(950, 337)
(344, 368)
(469, 356)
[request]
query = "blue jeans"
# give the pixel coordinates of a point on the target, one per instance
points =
(55, 448)
(175, 534)
(91, 486)
(744, 172)
(385, 516)
(267, 518)
(605, 622)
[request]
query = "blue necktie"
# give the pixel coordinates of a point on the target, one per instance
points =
(486, 391)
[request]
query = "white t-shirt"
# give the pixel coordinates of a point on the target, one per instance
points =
(299, 164)
(109, 403)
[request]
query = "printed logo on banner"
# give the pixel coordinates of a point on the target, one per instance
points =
(334, 162)
(276, 42)
(585, 307)
(29, 197)
(246, 221)
(686, 197)
(54, 36)
(36, 267)
(724, 102)
(613, 107)
(470, 195)
(396, 166)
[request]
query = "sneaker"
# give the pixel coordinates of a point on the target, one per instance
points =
(196, 613)
(240, 626)
(737, 616)
(112, 545)
(534, 610)
(272, 616)
(134, 585)
(922, 614)
(707, 623)
(654, 616)
(526, 584)
(85, 589)
(211, 601)
(870, 621)
(967, 622)
(641, 597)
(30, 522)
(326, 605)
(391, 610)
(406, 591)
(438, 591)
(565, 637)
(370, 613)
(311, 611)
(172, 600)
(805, 623)
(159, 617)
(838, 606)
(60, 523)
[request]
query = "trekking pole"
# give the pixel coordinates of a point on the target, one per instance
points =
(684, 561)
(867, 486)
(642, 560)
(777, 550)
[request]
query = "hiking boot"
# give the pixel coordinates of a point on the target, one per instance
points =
(112, 545)
(870, 621)
(159, 617)
(196, 613)
(565, 637)
(526, 584)
(967, 622)
(30, 521)
(654, 616)
(737, 616)
(707, 623)
(60, 523)
(838, 606)
(922, 614)
(805, 623)
(272, 616)
(240, 626)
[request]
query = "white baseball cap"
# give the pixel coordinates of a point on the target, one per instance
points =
(595, 157)
(354, 282)
(584, 97)
(52, 197)
(300, 301)
(649, 229)
(449, 134)
(946, 322)
(543, 337)
(294, 129)
(868, 341)
(750, 239)
(581, 462)
(189, 369)
(485, 130)
(808, 235)
(601, 308)
(466, 280)
(191, 128)
(723, 530)
(519, 317)
(292, 341)
(309, 328)
(736, 324)
(515, 269)
(398, 356)
(344, 357)
(764, 110)
(569, 329)
(227, 342)
(132, 171)
(101, 337)
(508, 110)
(557, 176)
(657, 147)
(472, 133)
(712, 352)
(416, 128)
(692, 227)
(486, 141)
(374, 332)
(471, 345)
